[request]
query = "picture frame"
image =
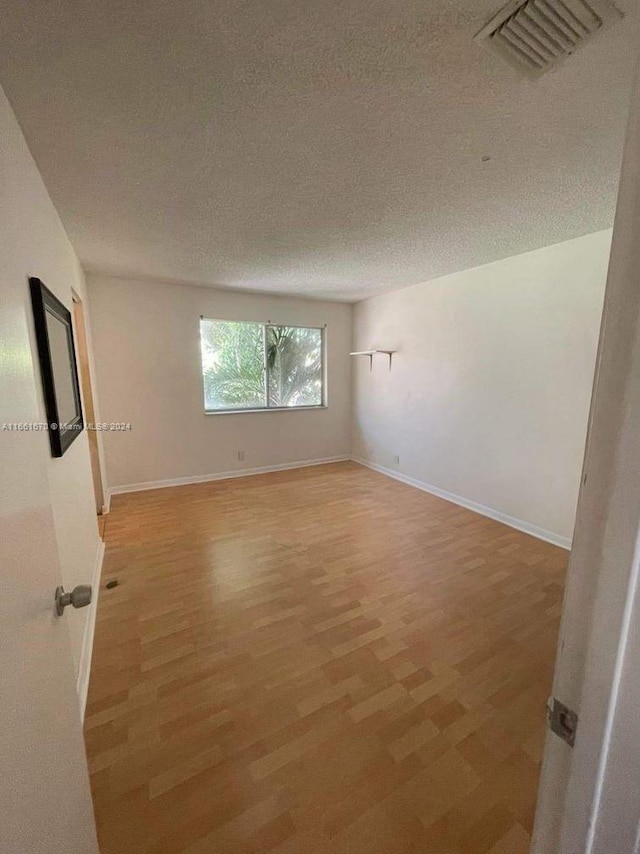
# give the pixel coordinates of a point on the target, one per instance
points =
(58, 369)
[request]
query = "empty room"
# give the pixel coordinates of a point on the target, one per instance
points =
(320, 408)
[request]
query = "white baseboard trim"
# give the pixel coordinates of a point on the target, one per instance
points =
(225, 475)
(497, 515)
(84, 671)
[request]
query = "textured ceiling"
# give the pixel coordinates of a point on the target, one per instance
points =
(328, 148)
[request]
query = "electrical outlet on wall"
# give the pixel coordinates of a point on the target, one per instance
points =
(396, 459)
(241, 456)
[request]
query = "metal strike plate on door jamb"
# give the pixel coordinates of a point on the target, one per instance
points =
(562, 721)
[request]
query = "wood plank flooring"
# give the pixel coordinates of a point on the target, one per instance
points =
(319, 661)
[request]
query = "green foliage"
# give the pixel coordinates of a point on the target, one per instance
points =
(232, 364)
(239, 367)
(294, 362)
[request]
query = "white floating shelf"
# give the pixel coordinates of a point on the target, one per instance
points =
(371, 354)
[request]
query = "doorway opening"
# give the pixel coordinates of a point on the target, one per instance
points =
(89, 408)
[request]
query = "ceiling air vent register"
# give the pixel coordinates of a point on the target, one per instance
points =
(536, 35)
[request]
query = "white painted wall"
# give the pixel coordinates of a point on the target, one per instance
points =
(489, 393)
(33, 243)
(147, 347)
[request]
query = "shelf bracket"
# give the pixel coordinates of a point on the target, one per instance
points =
(371, 354)
(368, 353)
(388, 353)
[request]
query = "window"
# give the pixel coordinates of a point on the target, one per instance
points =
(260, 366)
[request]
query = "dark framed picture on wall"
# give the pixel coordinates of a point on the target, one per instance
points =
(57, 357)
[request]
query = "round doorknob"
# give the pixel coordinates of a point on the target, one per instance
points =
(79, 597)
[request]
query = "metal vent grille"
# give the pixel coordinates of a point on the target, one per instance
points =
(535, 35)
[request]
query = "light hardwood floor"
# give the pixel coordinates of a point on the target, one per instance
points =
(314, 661)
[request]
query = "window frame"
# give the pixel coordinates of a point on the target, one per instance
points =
(267, 408)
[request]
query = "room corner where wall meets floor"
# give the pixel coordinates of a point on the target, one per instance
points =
(485, 402)
(488, 396)
(301, 658)
(332, 277)
(147, 344)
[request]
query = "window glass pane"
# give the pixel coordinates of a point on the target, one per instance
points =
(294, 366)
(232, 365)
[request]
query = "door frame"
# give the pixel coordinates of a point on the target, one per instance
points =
(588, 802)
(88, 395)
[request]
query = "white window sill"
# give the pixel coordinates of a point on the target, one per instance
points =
(265, 409)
